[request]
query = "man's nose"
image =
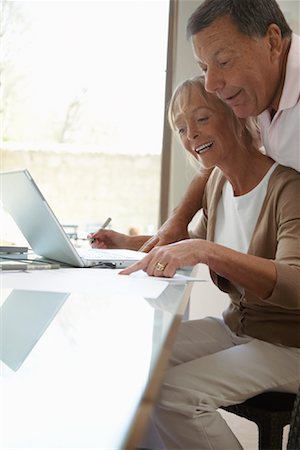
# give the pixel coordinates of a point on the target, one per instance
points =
(214, 80)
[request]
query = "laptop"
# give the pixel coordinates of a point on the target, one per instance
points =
(23, 200)
(25, 315)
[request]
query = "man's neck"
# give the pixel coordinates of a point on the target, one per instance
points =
(278, 92)
(272, 112)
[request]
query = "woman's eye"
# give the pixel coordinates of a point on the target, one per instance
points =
(180, 130)
(202, 119)
(203, 69)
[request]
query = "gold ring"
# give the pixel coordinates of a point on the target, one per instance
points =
(160, 267)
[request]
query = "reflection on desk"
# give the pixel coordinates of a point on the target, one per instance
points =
(25, 316)
(89, 381)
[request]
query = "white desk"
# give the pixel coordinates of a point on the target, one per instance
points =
(90, 380)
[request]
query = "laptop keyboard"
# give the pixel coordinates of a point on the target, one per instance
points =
(109, 254)
(96, 253)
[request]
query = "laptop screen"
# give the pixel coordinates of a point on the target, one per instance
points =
(24, 201)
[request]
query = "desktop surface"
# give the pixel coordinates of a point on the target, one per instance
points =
(92, 371)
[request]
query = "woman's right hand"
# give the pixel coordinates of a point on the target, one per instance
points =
(109, 239)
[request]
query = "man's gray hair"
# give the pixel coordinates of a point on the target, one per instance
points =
(252, 17)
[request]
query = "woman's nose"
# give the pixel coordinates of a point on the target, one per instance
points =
(192, 133)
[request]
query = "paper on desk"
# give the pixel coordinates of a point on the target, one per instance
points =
(93, 281)
(177, 279)
(104, 281)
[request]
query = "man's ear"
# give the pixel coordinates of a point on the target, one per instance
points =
(275, 41)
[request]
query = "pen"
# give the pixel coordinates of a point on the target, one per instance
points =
(105, 224)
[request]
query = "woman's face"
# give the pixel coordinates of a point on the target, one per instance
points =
(203, 127)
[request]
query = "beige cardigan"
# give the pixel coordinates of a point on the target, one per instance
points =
(276, 236)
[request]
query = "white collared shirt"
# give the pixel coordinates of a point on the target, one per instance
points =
(281, 136)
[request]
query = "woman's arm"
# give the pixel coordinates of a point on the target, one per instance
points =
(112, 239)
(274, 275)
(255, 274)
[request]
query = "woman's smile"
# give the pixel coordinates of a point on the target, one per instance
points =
(204, 148)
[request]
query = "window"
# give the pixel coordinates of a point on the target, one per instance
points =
(82, 106)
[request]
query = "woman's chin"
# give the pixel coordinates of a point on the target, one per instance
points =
(205, 164)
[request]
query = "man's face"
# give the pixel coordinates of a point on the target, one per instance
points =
(241, 70)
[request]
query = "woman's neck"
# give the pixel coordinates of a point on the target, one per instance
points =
(247, 170)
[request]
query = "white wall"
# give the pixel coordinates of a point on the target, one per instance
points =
(291, 11)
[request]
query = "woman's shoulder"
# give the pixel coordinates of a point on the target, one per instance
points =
(283, 175)
(217, 176)
(215, 182)
(284, 185)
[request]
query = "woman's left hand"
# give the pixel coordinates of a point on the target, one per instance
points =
(165, 260)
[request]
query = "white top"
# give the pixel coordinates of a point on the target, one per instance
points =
(281, 137)
(237, 216)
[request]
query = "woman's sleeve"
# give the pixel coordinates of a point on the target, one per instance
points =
(286, 292)
(211, 195)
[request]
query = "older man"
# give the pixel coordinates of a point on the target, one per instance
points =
(251, 59)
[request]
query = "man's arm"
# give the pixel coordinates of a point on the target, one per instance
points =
(176, 226)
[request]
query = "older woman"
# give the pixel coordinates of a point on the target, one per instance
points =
(249, 236)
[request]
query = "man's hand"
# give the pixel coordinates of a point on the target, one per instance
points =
(176, 227)
(171, 231)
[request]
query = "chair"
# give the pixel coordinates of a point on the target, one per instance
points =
(294, 434)
(271, 411)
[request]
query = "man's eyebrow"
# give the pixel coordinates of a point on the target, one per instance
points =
(221, 50)
(215, 55)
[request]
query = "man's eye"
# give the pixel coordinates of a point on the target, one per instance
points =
(202, 119)
(223, 63)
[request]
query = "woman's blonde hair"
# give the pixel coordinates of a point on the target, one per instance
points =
(245, 131)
